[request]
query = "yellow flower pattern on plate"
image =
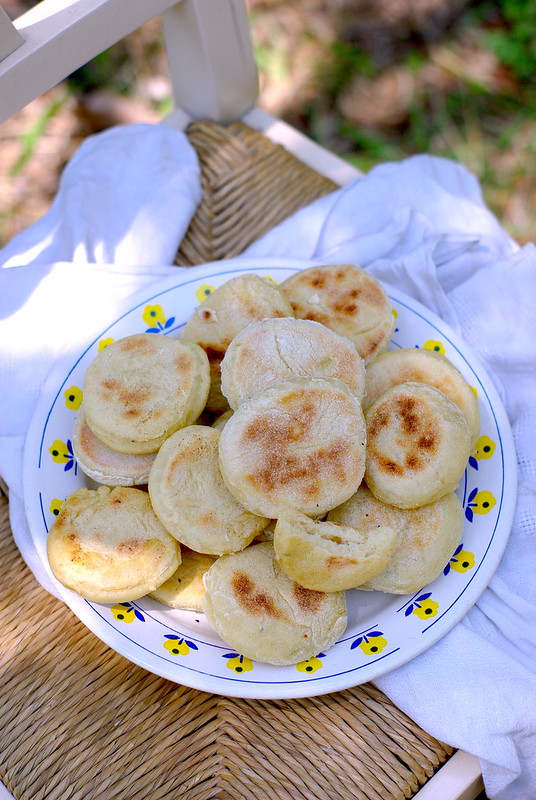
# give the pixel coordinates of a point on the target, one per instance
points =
(153, 314)
(422, 606)
(484, 450)
(203, 292)
(178, 646)
(461, 561)
(73, 397)
(126, 612)
(62, 453)
(371, 642)
(155, 318)
(310, 665)
(238, 663)
(426, 608)
(55, 506)
(432, 344)
(479, 502)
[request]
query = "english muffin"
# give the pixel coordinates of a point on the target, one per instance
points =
(264, 615)
(190, 498)
(424, 366)
(140, 389)
(232, 306)
(185, 588)
(426, 538)
(328, 556)
(109, 546)
(418, 444)
(104, 465)
(274, 350)
(348, 300)
(299, 444)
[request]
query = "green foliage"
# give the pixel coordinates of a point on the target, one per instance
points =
(274, 61)
(515, 44)
(29, 139)
(371, 147)
(111, 69)
(346, 62)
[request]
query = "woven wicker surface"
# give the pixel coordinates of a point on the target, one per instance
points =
(80, 721)
(249, 185)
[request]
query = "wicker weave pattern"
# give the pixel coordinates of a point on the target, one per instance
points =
(249, 185)
(80, 722)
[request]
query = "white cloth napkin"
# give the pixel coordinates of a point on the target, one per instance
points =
(122, 207)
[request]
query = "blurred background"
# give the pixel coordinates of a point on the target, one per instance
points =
(372, 80)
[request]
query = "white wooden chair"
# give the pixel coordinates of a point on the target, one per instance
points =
(211, 65)
(213, 76)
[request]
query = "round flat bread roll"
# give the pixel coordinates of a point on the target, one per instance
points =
(328, 556)
(423, 366)
(109, 546)
(140, 389)
(299, 444)
(274, 350)
(232, 306)
(418, 444)
(185, 588)
(190, 498)
(426, 538)
(264, 615)
(347, 299)
(104, 465)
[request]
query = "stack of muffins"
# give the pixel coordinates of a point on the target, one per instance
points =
(271, 459)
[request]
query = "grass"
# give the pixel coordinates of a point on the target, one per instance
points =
(30, 138)
(471, 97)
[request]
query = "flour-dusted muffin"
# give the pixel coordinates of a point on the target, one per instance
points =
(274, 350)
(108, 545)
(140, 389)
(190, 498)
(185, 588)
(104, 465)
(299, 444)
(329, 556)
(347, 299)
(424, 366)
(233, 305)
(418, 444)
(264, 615)
(426, 538)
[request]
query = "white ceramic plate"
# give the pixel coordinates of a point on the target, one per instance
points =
(384, 631)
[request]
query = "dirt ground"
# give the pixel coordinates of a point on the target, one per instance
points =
(372, 80)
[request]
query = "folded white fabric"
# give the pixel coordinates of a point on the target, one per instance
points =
(122, 208)
(126, 197)
(422, 226)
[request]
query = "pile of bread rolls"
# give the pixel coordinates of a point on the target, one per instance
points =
(274, 457)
